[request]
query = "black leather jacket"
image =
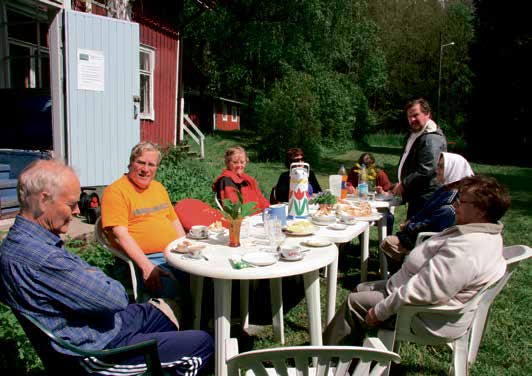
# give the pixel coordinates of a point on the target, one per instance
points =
(418, 174)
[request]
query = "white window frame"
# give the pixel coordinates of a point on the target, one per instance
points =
(150, 113)
(224, 111)
(234, 113)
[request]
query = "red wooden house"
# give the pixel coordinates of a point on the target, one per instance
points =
(226, 114)
(213, 113)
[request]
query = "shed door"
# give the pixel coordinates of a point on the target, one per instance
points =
(102, 90)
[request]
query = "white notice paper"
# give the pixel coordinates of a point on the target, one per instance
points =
(91, 72)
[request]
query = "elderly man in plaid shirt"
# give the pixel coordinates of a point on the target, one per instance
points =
(76, 301)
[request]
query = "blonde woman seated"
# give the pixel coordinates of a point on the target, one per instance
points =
(233, 179)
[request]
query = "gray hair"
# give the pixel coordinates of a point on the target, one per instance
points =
(141, 147)
(232, 151)
(39, 176)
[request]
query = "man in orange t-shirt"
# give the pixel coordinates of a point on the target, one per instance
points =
(137, 212)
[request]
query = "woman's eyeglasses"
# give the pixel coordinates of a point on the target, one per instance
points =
(300, 159)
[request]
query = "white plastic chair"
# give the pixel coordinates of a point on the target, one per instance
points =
(465, 348)
(104, 242)
(298, 360)
(218, 203)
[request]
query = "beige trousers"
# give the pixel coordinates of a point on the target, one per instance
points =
(348, 326)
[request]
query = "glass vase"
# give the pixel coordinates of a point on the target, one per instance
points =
(234, 232)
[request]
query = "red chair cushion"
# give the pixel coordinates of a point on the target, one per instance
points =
(193, 212)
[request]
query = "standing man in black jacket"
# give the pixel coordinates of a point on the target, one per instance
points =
(417, 168)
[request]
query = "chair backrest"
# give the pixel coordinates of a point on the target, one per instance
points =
(513, 255)
(218, 203)
(58, 363)
(273, 195)
(102, 239)
(328, 360)
(193, 212)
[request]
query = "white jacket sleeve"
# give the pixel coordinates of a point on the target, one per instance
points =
(436, 281)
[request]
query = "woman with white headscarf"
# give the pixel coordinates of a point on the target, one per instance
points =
(437, 214)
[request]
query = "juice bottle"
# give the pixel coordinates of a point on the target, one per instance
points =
(343, 172)
(363, 183)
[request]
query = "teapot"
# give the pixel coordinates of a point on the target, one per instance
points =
(298, 195)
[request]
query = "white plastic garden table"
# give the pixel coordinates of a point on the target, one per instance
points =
(384, 208)
(218, 267)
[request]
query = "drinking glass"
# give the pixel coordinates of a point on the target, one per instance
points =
(275, 233)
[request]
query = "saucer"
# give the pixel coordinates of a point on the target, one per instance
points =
(196, 237)
(293, 259)
(337, 226)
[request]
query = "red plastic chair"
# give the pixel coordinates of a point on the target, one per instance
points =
(193, 212)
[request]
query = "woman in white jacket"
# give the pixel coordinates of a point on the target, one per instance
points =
(448, 269)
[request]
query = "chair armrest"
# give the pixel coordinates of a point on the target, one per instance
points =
(147, 348)
(374, 343)
(231, 348)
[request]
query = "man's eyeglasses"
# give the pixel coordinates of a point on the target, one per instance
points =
(300, 159)
(144, 164)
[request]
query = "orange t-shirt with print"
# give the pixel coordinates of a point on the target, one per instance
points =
(148, 214)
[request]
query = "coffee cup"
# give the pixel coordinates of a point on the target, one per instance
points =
(199, 231)
(291, 253)
(277, 211)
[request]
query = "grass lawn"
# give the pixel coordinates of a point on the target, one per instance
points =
(505, 349)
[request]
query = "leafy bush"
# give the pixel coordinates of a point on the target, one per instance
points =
(287, 117)
(187, 179)
(92, 253)
(16, 351)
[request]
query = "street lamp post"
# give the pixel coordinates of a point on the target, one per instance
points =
(439, 77)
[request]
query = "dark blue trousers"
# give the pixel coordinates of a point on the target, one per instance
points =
(181, 352)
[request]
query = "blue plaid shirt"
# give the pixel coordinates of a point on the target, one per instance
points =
(75, 300)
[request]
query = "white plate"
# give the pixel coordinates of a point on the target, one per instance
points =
(383, 197)
(174, 246)
(316, 243)
(324, 221)
(372, 217)
(310, 231)
(293, 259)
(259, 258)
(337, 226)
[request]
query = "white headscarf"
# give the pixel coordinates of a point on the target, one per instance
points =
(455, 167)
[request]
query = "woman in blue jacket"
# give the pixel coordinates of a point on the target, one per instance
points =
(437, 214)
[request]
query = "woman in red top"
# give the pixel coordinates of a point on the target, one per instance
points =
(233, 178)
(382, 183)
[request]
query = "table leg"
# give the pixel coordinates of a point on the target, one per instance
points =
(311, 281)
(332, 275)
(196, 290)
(276, 300)
(364, 255)
(244, 303)
(222, 323)
(382, 235)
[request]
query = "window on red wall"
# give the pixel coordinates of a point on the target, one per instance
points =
(224, 111)
(234, 113)
(146, 67)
